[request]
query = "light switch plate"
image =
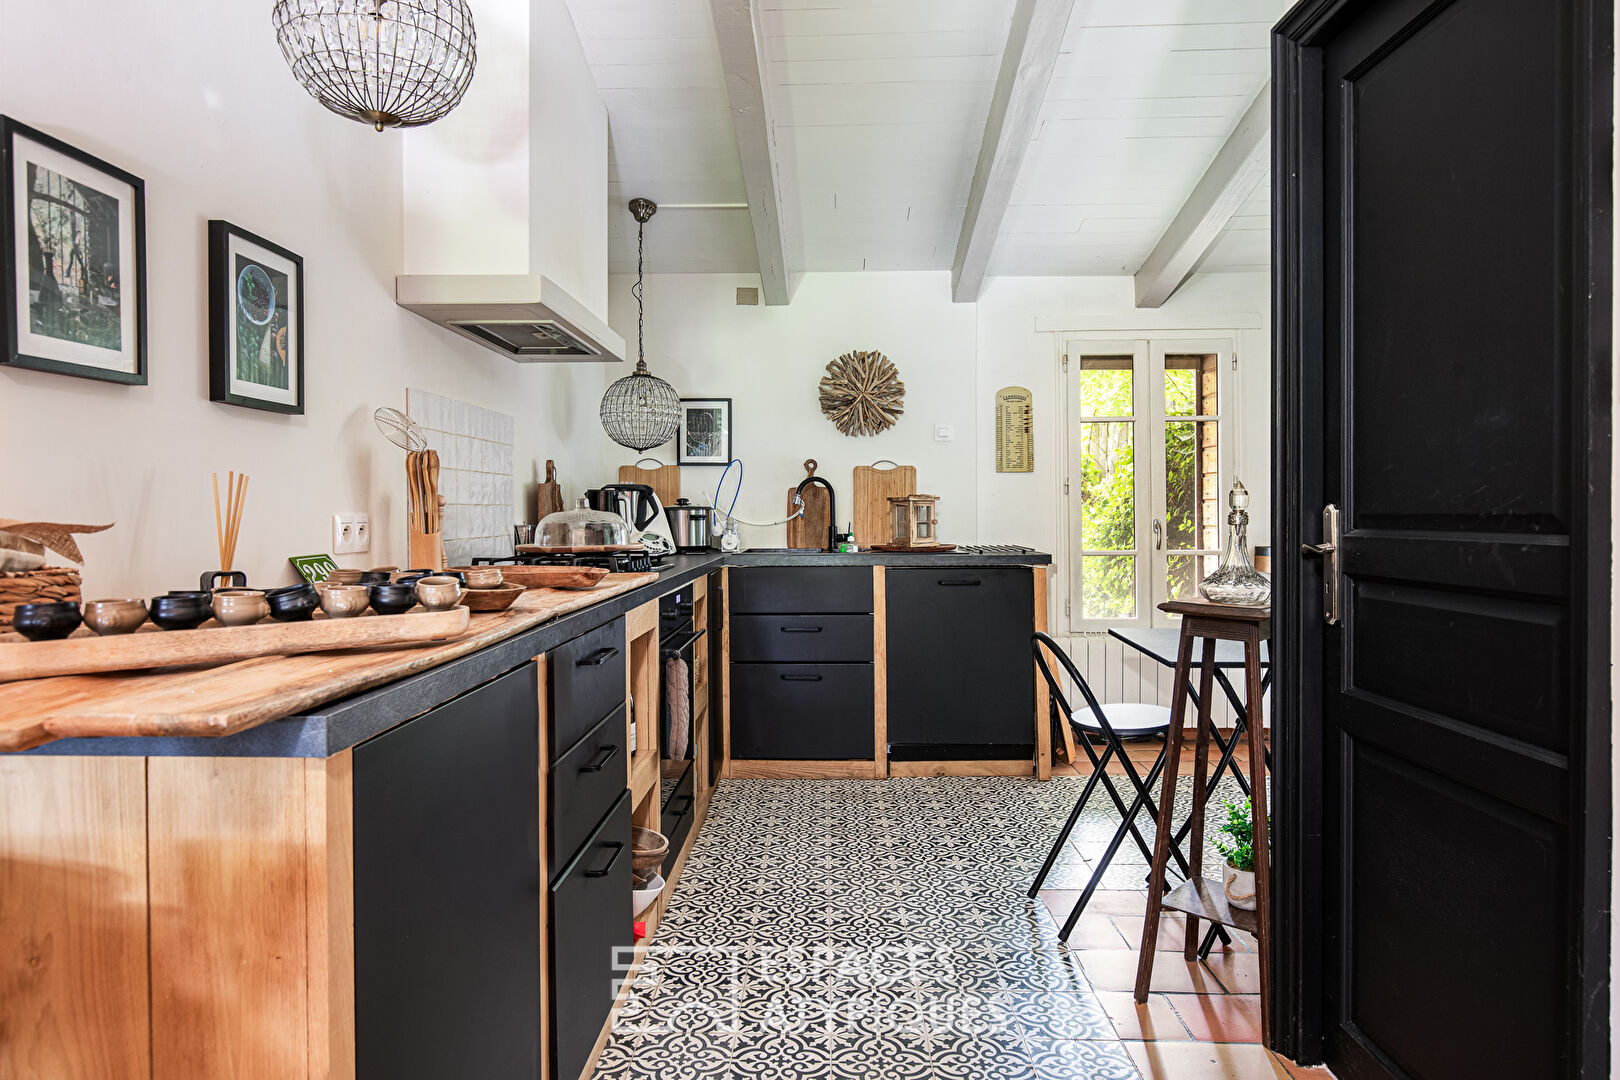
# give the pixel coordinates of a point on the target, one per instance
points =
(944, 433)
(351, 533)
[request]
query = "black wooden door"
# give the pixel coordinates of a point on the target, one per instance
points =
(1443, 307)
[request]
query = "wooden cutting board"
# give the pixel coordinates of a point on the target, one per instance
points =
(222, 644)
(873, 488)
(665, 480)
(810, 529)
(549, 497)
(553, 577)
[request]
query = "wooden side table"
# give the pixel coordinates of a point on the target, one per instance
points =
(1199, 897)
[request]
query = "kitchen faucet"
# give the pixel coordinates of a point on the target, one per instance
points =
(832, 507)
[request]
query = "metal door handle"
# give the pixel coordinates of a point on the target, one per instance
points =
(618, 849)
(1158, 535)
(975, 581)
(597, 658)
(1328, 552)
(605, 755)
(801, 629)
(801, 678)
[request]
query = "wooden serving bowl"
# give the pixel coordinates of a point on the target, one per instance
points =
(497, 599)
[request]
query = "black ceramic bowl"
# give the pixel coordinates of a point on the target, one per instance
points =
(206, 597)
(294, 603)
(181, 611)
(393, 599)
(46, 622)
(375, 577)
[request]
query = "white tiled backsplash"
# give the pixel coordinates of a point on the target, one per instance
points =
(475, 473)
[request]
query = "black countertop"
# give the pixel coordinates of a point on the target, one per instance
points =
(341, 724)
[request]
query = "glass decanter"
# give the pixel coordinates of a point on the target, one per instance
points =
(1236, 581)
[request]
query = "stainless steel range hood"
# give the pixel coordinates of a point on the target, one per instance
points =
(526, 317)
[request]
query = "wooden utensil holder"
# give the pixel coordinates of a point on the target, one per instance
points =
(427, 548)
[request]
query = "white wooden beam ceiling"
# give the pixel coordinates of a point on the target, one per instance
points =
(1038, 29)
(1243, 161)
(741, 55)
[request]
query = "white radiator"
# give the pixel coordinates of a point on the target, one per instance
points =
(1118, 673)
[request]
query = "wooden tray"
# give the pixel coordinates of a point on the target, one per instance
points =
(553, 577)
(223, 644)
(497, 599)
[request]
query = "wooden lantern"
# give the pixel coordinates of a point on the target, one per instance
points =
(914, 521)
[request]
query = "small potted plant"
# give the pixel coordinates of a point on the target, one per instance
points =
(1234, 839)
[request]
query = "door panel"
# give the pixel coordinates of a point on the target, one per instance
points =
(1438, 379)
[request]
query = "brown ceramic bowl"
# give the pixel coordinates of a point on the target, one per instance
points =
(240, 607)
(344, 577)
(438, 593)
(498, 598)
(344, 601)
(480, 577)
(114, 616)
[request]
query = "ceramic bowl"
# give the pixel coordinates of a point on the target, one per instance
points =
(344, 577)
(240, 607)
(392, 599)
(482, 577)
(294, 603)
(417, 572)
(114, 616)
(46, 622)
(342, 601)
(374, 577)
(181, 611)
(498, 598)
(438, 592)
(195, 594)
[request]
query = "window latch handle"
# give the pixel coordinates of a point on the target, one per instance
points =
(1158, 535)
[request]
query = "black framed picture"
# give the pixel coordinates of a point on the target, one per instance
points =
(705, 437)
(255, 321)
(72, 259)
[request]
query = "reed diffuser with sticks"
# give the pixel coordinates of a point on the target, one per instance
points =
(227, 527)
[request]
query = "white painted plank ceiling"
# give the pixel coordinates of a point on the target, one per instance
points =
(879, 109)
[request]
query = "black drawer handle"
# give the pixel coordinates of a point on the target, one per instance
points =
(974, 581)
(801, 678)
(604, 756)
(683, 811)
(801, 629)
(598, 658)
(618, 849)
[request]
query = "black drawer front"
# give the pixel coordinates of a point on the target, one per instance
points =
(677, 817)
(587, 683)
(803, 639)
(585, 783)
(805, 711)
(590, 918)
(776, 590)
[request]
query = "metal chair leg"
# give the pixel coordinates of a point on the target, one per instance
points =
(1074, 817)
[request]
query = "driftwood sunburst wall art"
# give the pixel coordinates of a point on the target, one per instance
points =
(862, 393)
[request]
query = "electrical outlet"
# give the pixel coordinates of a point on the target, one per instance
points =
(944, 433)
(351, 533)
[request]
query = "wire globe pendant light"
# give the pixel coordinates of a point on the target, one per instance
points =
(387, 63)
(641, 410)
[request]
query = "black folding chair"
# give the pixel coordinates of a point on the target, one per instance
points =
(1127, 721)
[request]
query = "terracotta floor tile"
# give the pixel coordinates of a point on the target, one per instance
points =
(1093, 931)
(1103, 901)
(1116, 970)
(1223, 1018)
(1171, 929)
(1205, 1061)
(1238, 972)
(1155, 1021)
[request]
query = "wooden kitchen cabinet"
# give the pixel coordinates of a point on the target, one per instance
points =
(447, 889)
(961, 683)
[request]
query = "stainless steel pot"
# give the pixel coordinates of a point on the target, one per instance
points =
(583, 527)
(689, 525)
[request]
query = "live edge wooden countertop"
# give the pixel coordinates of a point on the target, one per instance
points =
(208, 710)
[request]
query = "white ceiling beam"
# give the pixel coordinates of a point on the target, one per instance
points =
(1238, 167)
(1033, 42)
(742, 55)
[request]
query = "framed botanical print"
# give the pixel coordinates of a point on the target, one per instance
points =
(705, 437)
(255, 321)
(72, 259)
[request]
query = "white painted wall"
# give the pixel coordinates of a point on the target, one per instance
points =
(233, 136)
(952, 358)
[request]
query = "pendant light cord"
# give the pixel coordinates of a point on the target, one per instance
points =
(641, 317)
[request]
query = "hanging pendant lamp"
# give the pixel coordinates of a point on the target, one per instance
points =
(641, 410)
(387, 63)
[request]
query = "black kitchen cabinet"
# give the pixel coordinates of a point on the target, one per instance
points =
(591, 937)
(803, 711)
(587, 682)
(777, 590)
(447, 889)
(585, 783)
(960, 672)
(830, 639)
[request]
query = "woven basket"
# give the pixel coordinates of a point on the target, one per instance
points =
(48, 585)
